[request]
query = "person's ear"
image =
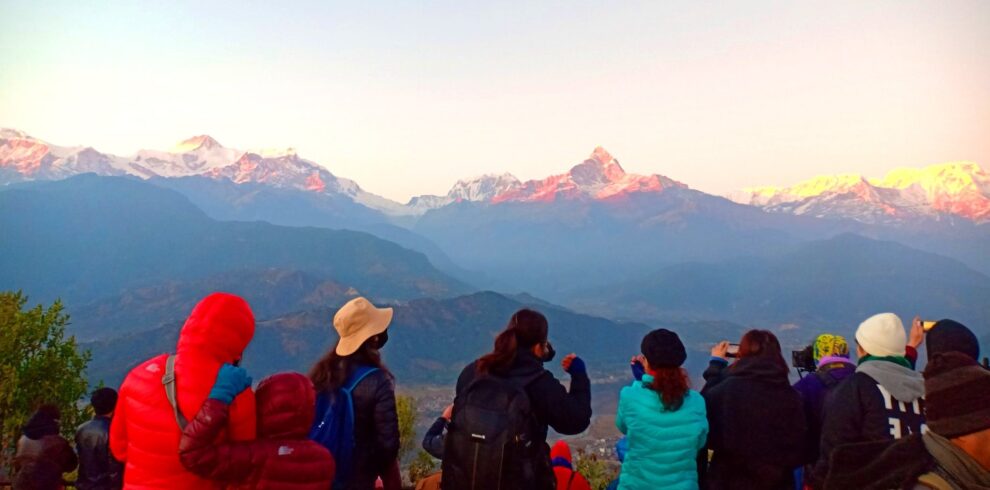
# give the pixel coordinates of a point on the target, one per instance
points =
(646, 364)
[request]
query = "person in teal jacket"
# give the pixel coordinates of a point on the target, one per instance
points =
(664, 421)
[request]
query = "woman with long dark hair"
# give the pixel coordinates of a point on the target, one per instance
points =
(756, 419)
(355, 365)
(489, 403)
(42, 454)
(663, 419)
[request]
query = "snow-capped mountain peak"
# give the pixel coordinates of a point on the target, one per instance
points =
(483, 188)
(599, 177)
(769, 195)
(600, 168)
(25, 158)
(959, 188)
(203, 141)
(8, 133)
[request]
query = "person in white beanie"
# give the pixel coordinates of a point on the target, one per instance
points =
(883, 400)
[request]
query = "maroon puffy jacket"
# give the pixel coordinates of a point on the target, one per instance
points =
(282, 458)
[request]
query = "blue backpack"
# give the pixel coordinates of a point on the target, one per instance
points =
(333, 427)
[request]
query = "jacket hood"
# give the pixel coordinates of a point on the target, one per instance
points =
(286, 405)
(761, 368)
(825, 361)
(904, 384)
(219, 327)
(561, 450)
(42, 423)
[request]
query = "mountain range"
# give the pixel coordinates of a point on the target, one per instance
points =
(942, 191)
(935, 192)
(431, 340)
(89, 237)
(131, 243)
(829, 284)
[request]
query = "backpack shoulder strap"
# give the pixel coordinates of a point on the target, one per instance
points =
(357, 376)
(170, 392)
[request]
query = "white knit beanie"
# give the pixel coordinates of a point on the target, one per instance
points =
(882, 335)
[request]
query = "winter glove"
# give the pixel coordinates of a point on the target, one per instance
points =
(637, 370)
(577, 366)
(231, 381)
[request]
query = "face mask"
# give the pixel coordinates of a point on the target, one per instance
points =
(548, 353)
(382, 339)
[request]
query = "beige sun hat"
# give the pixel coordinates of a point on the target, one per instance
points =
(357, 321)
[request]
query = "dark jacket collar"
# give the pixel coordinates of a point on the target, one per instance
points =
(525, 364)
(760, 368)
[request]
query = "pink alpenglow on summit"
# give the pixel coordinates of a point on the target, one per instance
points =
(958, 189)
(598, 177)
(938, 192)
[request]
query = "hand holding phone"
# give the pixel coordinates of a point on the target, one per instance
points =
(732, 351)
(721, 350)
(917, 335)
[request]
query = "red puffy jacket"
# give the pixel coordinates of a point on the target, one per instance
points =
(563, 464)
(144, 434)
(283, 457)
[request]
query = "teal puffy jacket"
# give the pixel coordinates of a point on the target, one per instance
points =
(663, 445)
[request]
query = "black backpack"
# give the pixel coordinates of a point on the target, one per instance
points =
(489, 443)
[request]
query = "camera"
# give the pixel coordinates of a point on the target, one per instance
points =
(804, 359)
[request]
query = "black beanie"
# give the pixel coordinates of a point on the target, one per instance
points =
(103, 400)
(957, 395)
(663, 349)
(950, 335)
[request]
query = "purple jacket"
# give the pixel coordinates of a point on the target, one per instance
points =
(814, 388)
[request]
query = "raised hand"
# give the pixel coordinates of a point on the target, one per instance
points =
(231, 381)
(636, 363)
(917, 336)
(721, 350)
(573, 364)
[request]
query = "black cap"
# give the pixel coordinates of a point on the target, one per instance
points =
(952, 336)
(663, 349)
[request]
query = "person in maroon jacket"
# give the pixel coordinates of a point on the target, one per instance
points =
(282, 457)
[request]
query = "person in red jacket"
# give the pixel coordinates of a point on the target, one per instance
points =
(282, 458)
(145, 434)
(563, 469)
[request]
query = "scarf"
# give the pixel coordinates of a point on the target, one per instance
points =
(894, 359)
(958, 465)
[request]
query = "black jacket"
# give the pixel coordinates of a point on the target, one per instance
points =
(567, 413)
(376, 429)
(98, 470)
(856, 411)
(879, 465)
(756, 425)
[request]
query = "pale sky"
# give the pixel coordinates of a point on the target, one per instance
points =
(407, 97)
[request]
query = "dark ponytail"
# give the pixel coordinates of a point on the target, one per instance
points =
(526, 328)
